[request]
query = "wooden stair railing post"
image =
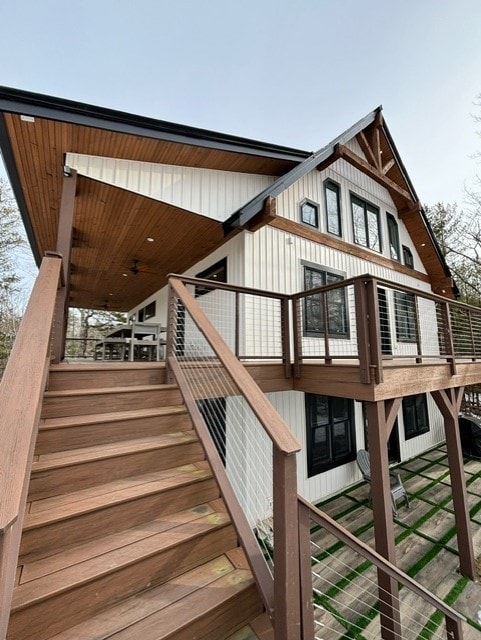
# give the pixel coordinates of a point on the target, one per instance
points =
(171, 332)
(21, 394)
(287, 597)
(448, 329)
(305, 571)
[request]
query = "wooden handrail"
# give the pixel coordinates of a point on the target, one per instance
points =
(278, 431)
(381, 563)
(21, 394)
(22, 386)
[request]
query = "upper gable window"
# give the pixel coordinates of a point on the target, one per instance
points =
(332, 194)
(394, 246)
(365, 222)
(408, 257)
(310, 213)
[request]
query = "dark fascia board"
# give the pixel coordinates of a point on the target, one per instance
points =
(243, 215)
(426, 222)
(41, 106)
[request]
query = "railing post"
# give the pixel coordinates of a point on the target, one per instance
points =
(286, 548)
(307, 606)
(374, 326)
(286, 336)
(473, 344)
(237, 324)
(325, 312)
(418, 331)
(454, 629)
(171, 327)
(362, 322)
(448, 336)
(297, 338)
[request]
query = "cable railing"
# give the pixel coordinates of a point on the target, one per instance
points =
(310, 590)
(342, 597)
(250, 449)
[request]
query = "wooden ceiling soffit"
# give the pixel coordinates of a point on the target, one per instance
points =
(397, 192)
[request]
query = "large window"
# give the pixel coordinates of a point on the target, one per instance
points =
(331, 438)
(405, 314)
(332, 194)
(393, 231)
(310, 213)
(415, 415)
(314, 323)
(147, 312)
(365, 222)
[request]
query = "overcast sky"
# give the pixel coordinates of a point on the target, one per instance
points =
(296, 73)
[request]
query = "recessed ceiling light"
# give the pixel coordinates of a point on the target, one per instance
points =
(423, 244)
(27, 118)
(125, 275)
(150, 239)
(111, 294)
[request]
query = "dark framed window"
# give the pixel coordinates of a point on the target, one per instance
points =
(393, 232)
(405, 314)
(337, 322)
(310, 213)
(147, 312)
(217, 272)
(415, 415)
(365, 223)
(331, 437)
(408, 258)
(332, 195)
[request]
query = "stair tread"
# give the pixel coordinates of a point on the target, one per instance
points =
(110, 450)
(74, 555)
(133, 610)
(94, 418)
(113, 560)
(65, 393)
(67, 505)
(105, 366)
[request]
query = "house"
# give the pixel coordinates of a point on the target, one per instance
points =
(378, 355)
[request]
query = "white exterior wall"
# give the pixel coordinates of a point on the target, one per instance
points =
(272, 259)
(208, 192)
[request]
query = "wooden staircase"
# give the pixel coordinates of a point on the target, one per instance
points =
(125, 534)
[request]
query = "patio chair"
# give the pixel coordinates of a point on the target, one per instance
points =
(398, 492)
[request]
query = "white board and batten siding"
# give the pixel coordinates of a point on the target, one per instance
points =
(208, 192)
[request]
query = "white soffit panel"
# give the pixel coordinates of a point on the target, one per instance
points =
(207, 192)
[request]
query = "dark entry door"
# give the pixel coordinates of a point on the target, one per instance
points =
(393, 450)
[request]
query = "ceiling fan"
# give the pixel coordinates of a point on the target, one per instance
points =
(138, 266)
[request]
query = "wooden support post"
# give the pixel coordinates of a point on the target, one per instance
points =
(362, 323)
(287, 597)
(64, 247)
(449, 402)
(383, 521)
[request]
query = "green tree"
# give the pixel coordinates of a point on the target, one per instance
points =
(11, 241)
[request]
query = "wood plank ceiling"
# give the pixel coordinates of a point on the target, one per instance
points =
(111, 225)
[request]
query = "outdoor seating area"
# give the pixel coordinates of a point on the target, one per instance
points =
(426, 549)
(132, 342)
